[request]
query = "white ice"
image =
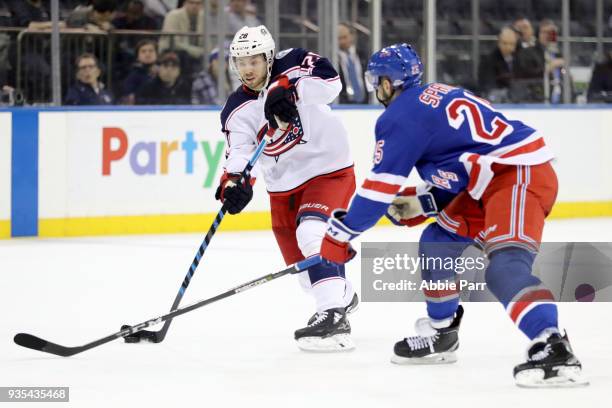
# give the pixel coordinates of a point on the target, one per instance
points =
(240, 351)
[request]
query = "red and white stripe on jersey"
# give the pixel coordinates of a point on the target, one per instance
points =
(441, 295)
(528, 299)
(447, 223)
(516, 236)
(530, 151)
(381, 187)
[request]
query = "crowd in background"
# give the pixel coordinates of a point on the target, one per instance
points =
(525, 66)
(522, 63)
(153, 70)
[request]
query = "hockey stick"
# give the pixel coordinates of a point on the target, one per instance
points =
(158, 336)
(36, 343)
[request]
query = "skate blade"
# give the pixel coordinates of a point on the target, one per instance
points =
(338, 342)
(567, 377)
(438, 358)
(353, 309)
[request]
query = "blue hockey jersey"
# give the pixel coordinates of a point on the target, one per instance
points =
(451, 137)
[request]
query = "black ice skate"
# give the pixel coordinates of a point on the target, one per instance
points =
(329, 331)
(350, 308)
(431, 345)
(550, 363)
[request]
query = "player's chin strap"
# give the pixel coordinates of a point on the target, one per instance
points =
(388, 100)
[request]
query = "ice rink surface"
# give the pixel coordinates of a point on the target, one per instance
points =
(240, 351)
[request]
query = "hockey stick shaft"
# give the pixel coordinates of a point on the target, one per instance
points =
(161, 334)
(36, 343)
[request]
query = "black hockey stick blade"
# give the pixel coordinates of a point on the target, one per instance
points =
(36, 343)
(142, 336)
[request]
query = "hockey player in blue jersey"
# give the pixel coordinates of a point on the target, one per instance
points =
(495, 177)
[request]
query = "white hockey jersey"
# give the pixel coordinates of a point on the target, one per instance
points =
(317, 144)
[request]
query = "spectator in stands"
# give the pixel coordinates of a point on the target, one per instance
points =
(88, 89)
(204, 90)
(351, 68)
(33, 14)
(168, 87)
(97, 17)
(144, 70)
(36, 57)
(600, 88)
(188, 19)
(134, 18)
(158, 9)
(240, 13)
(496, 70)
(525, 30)
(533, 62)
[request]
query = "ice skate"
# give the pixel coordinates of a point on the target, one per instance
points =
(329, 331)
(431, 345)
(550, 363)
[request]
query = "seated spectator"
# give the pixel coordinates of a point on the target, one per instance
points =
(240, 13)
(88, 90)
(134, 18)
(351, 69)
(496, 70)
(188, 19)
(143, 70)
(157, 9)
(168, 87)
(36, 69)
(97, 17)
(204, 90)
(33, 14)
(600, 87)
(525, 30)
(532, 62)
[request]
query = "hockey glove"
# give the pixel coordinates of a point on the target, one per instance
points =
(336, 247)
(412, 206)
(280, 102)
(233, 194)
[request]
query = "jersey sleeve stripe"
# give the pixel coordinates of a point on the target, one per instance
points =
(381, 187)
(387, 178)
(528, 148)
(376, 196)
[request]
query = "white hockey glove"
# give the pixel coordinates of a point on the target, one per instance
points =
(412, 206)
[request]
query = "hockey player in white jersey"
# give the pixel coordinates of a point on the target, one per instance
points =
(308, 170)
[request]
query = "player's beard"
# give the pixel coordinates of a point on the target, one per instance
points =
(387, 97)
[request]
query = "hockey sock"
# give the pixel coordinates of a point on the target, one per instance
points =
(328, 287)
(437, 243)
(309, 235)
(530, 305)
(348, 289)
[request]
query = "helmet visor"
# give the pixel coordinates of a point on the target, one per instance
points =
(371, 81)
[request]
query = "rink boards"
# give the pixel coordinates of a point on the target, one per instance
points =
(71, 172)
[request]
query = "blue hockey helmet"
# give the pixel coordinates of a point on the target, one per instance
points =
(398, 62)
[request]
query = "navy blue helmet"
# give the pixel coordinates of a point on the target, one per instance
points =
(398, 62)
